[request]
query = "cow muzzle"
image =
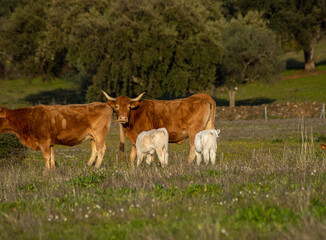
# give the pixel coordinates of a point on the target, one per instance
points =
(122, 119)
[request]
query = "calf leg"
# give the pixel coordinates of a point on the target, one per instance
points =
(161, 156)
(165, 157)
(140, 158)
(198, 158)
(212, 156)
(206, 157)
(149, 158)
(94, 154)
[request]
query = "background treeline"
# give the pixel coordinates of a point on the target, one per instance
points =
(167, 47)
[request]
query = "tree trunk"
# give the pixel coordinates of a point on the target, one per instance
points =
(309, 60)
(232, 97)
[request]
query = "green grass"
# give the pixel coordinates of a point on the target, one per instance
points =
(296, 86)
(299, 89)
(17, 93)
(260, 188)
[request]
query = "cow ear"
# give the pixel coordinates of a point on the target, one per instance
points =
(134, 104)
(111, 104)
(218, 131)
(3, 112)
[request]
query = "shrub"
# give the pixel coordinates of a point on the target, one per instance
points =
(11, 148)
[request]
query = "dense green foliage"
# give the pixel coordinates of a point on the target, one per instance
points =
(298, 23)
(250, 52)
(169, 48)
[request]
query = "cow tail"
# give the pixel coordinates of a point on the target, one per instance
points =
(166, 139)
(210, 124)
(122, 143)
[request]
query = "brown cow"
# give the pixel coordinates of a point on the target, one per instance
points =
(181, 117)
(41, 127)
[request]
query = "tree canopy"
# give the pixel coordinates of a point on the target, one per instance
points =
(168, 47)
(251, 53)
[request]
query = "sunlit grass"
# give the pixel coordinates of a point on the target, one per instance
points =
(259, 188)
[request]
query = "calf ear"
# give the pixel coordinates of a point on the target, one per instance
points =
(3, 112)
(218, 131)
(134, 105)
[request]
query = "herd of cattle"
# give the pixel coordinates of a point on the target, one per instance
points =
(148, 124)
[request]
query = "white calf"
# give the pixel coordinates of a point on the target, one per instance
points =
(150, 141)
(206, 144)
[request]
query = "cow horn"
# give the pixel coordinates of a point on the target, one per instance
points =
(138, 98)
(107, 96)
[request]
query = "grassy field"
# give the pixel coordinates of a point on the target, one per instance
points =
(17, 93)
(268, 183)
(296, 85)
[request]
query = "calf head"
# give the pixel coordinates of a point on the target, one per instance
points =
(122, 106)
(217, 133)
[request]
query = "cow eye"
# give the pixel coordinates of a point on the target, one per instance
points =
(116, 107)
(129, 107)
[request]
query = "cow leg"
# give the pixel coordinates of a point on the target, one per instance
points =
(47, 155)
(52, 157)
(94, 154)
(100, 146)
(198, 155)
(213, 156)
(192, 153)
(133, 154)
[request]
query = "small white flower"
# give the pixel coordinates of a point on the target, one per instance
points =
(97, 206)
(223, 231)
(56, 217)
(121, 209)
(86, 216)
(65, 219)
(267, 196)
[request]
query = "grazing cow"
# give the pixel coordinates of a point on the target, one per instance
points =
(148, 142)
(206, 144)
(41, 127)
(182, 118)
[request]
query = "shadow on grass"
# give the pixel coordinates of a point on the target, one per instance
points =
(321, 63)
(57, 96)
(254, 101)
(294, 64)
(245, 102)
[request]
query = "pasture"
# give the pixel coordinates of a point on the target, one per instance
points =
(269, 182)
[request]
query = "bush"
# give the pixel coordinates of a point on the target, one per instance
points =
(11, 148)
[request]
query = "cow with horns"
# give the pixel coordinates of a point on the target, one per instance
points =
(182, 118)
